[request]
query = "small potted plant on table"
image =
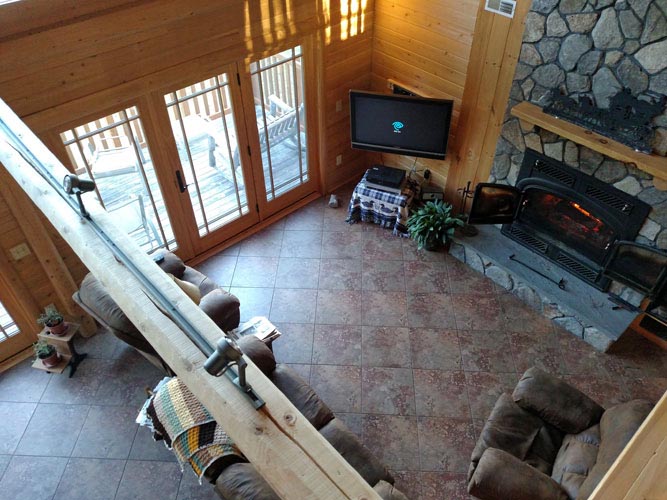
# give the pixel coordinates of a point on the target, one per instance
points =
(53, 321)
(46, 353)
(433, 224)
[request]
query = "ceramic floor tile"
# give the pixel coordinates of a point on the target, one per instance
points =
(295, 344)
(430, 310)
(302, 370)
(297, 273)
(604, 391)
(486, 351)
(386, 347)
(384, 309)
(82, 387)
(477, 312)
(464, 279)
(646, 388)
(520, 317)
(336, 220)
(381, 248)
(535, 349)
(144, 480)
(426, 277)
(302, 244)
(435, 349)
(411, 252)
(445, 444)
(266, 243)
(338, 386)
(393, 439)
(220, 268)
(383, 276)
(293, 305)
(353, 421)
(15, 418)
(337, 345)
(408, 482)
(388, 391)
(441, 394)
(19, 479)
(308, 218)
(341, 245)
(484, 388)
(190, 489)
(255, 272)
(4, 462)
(108, 432)
(89, 478)
(102, 345)
(254, 301)
(444, 485)
(336, 307)
(144, 447)
(127, 380)
(70, 420)
(340, 274)
(23, 383)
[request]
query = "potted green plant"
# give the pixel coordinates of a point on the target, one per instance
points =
(53, 321)
(433, 224)
(46, 353)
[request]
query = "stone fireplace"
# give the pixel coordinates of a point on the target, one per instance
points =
(591, 48)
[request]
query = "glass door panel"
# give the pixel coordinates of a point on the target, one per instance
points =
(113, 152)
(203, 124)
(12, 340)
(278, 92)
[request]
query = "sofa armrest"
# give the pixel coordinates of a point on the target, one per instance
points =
(500, 476)
(556, 402)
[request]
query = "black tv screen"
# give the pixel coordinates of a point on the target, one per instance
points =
(407, 125)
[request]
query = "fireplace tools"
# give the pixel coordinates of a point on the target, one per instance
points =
(466, 194)
(560, 283)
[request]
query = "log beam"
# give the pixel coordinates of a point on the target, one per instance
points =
(286, 450)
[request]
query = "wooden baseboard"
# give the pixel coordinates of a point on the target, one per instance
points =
(16, 359)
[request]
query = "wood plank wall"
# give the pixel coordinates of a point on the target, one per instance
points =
(424, 45)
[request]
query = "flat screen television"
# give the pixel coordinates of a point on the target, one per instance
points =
(401, 124)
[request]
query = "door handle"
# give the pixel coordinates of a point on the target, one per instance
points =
(181, 185)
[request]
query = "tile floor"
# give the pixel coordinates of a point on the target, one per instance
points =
(411, 349)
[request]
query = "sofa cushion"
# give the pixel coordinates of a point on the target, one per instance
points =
(189, 289)
(544, 449)
(259, 353)
(556, 402)
(302, 396)
(223, 308)
(243, 482)
(356, 454)
(501, 476)
(575, 459)
(508, 428)
(95, 296)
(617, 427)
(172, 264)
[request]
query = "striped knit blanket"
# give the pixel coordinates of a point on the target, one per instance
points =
(187, 428)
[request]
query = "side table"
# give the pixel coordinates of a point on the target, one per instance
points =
(389, 210)
(64, 344)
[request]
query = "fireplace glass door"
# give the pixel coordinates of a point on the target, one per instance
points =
(638, 266)
(567, 222)
(494, 204)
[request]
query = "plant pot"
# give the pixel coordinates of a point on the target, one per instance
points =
(432, 245)
(58, 329)
(51, 360)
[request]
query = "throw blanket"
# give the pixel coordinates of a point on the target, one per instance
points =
(188, 429)
(389, 210)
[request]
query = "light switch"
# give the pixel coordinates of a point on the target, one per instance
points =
(339, 105)
(339, 160)
(19, 251)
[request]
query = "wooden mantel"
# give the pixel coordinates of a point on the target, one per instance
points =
(652, 164)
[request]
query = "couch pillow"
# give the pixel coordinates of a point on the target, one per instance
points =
(302, 396)
(188, 288)
(575, 459)
(508, 428)
(222, 308)
(617, 427)
(355, 453)
(259, 353)
(171, 264)
(556, 402)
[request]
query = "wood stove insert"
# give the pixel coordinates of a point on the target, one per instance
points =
(565, 215)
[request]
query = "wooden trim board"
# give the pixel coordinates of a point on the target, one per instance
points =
(287, 451)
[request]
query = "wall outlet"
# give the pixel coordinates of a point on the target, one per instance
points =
(339, 160)
(339, 106)
(20, 251)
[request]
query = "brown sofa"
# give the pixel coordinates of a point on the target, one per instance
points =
(221, 306)
(549, 441)
(239, 480)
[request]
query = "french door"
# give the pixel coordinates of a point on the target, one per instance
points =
(242, 142)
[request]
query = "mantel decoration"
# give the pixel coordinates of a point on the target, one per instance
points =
(628, 120)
